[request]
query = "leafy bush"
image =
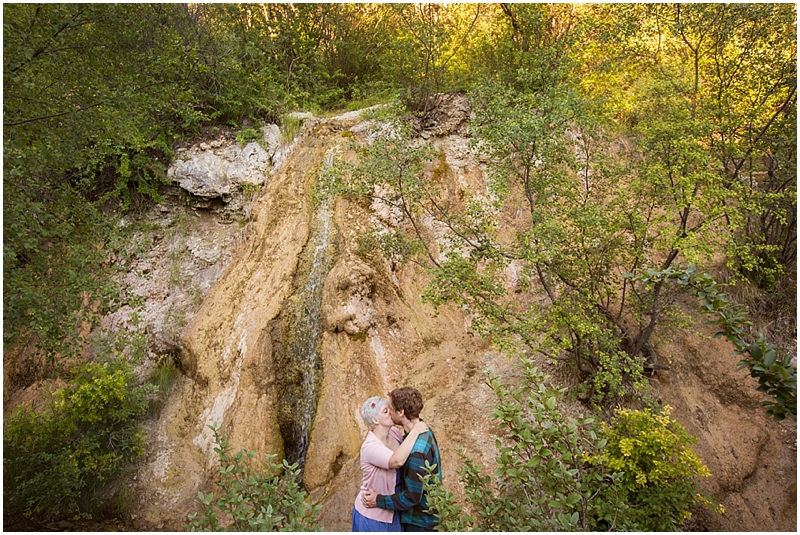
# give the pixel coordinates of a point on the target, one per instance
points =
(252, 500)
(247, 135)
(162, 379)
(542, 482)
(559, 473)
(290, 127)
(56, 462)
(658, 468)
(47, 273)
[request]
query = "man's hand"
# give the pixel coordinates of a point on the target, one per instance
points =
(369, 498)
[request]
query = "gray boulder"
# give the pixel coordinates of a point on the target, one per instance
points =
(211, 171)
(204, 175)
(272, 138)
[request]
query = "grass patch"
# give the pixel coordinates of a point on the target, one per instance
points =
(389, 111)
(290, 127)
(162, 378)
(248, 135)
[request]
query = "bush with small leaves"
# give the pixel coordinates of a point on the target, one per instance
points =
(558, 473)
(542, 481)
(271, 499)
(248, 135)
(56, 462)
(659, 469)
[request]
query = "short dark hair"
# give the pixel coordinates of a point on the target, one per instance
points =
(408, 400)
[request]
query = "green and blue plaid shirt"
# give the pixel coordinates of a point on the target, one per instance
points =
(411, 501)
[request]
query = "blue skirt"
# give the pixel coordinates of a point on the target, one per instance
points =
(362, 523)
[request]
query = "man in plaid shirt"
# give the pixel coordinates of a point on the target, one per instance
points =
(405, 405)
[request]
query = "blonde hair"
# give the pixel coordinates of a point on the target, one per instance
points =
(371, 408)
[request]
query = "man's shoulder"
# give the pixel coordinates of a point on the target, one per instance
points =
(425, 443)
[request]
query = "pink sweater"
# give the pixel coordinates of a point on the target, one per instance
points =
(377, 475)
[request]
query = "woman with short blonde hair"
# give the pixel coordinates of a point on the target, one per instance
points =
(384, 451)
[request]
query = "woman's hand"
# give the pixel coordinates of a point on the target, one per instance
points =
(419, 428)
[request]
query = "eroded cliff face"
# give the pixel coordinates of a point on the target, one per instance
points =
(753, 460)
(375, 334)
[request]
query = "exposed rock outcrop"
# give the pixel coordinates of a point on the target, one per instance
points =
(446, 114)
(351, 286)
(214, 170)
(377, 334)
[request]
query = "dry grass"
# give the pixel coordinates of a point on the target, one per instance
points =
(772, 312)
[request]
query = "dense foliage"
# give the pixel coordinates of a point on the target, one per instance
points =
(658, 470)
(554, 473)
(58, 461)
(95, 95)
(606, 182)
(269, 499)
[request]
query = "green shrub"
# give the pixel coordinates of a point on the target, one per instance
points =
(290, 127)
(542, 482)
(247, 135)
(252, 500)
(558, 473)
(56, 462)
(162, 379)
(659, 469)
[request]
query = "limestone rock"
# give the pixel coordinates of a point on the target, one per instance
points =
(203, 175)
(302, 115)
(246, 165)
(448, 114)
(201, 249)
(347, 301)
(272, 138)
(212, 171)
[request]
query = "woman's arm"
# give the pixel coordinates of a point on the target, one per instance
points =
(402, 452)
